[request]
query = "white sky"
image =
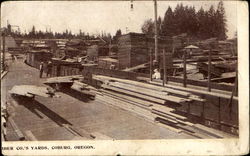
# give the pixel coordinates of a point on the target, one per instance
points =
(96, 16)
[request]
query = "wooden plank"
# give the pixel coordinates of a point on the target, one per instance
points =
(100, 136)
(145, 114)
(31, 91)
(149, 92)
(79, 89)
(63, 79)
(198, 91)
(213, 132)
(142, 102)
(135, 94)
(170, 128)
(127, 105)
(139, 89)
(80, 131)
(30, 135)
(163, 108)
(145, 85)
(18, 132)
(169, 113)
(127, 101)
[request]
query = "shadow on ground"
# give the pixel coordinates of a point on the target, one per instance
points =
(32, 105)
(76, 94)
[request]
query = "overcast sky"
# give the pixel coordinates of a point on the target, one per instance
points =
(96, 16)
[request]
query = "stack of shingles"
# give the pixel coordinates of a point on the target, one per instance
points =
(146, 100)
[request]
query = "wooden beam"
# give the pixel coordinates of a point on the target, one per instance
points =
(117, 103)
(148, 98)
(164, 67)
(151, 93)
(209, 71)
(144, 85)
(132, 99)
(151, 64)
(100, 136)
(30, 135)
(184, 69)
(16, 129)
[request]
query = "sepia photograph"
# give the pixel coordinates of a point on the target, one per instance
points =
(91, 76)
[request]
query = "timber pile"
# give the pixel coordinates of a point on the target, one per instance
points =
(63, 79)
(133, 49)
(149, 101)
(73, 82)
(31, 91)
(84, 89)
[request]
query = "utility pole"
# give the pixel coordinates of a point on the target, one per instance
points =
(156, 33)
(3, 52)
(209, 70)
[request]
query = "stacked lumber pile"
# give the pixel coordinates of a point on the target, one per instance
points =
(133, 49)
(73, 82)
(149, 102)
(84, 89)
(31, 91)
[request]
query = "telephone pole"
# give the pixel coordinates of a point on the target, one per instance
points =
(156, 33)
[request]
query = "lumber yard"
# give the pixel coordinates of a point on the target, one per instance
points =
(134, 86)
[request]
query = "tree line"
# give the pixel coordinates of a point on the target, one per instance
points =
(67, 34)
(201, 24)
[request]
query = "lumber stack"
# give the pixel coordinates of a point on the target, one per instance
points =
(133, 49)
(84, 89)
(147, 101)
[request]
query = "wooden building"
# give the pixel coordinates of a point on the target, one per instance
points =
(34, 58)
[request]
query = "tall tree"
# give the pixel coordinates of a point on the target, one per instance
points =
(221, 21)
(118, 32)
(211, 27)
(159, 25)
(148, 27)
(168, 24)
(191, 21)
(202, 19)
(179, 16)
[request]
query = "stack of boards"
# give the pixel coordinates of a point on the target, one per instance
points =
(149, 101)
(84, 89)
(74, 82)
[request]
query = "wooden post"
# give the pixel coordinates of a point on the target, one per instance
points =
(209, 71)
(3, 57)
(156, 31)
(184, 69)
(236, 80)
(203, 112)
(150, 64)
(164, 68)
(219, 116)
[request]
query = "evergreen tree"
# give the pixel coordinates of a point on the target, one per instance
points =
(211, 27)
(168, 24)
(159, 25)
(148, 27)
(202, 18)
(118, 32)
(221, 21)
(191, 21)
(179, 16)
